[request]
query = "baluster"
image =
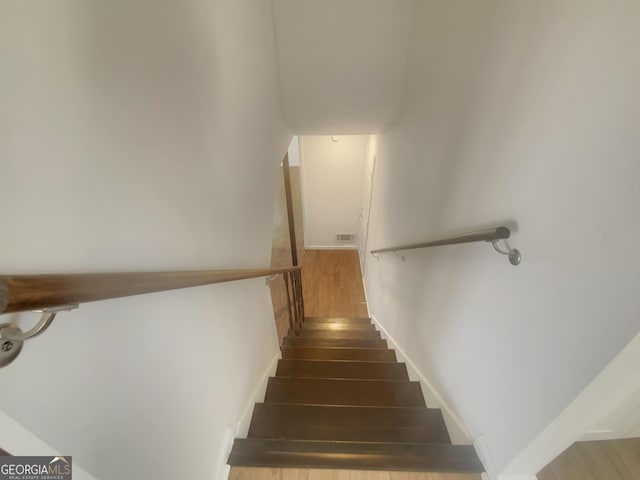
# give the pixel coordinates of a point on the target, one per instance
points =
(294, 287)
(301, 299)
(286, 287)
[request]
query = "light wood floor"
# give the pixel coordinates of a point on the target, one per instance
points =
(332, 284)
(332, 280)
(603, 460)
(248, 473)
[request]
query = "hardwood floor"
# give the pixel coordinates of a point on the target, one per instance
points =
(602, 460)
(332, 284)
(332, 280)
(250, 473)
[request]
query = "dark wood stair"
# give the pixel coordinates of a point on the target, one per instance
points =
(341, 400)
(336, 320)
(342, 391)
(348, 423)
(338, 326)
(341, 369)
(339, 353)
(418, 457)
(334, 342)
(343, 333)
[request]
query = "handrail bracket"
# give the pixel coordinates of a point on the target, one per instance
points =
(512, 253)
(12, 338)
(271, 278)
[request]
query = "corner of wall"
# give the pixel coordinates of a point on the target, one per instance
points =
(603, 397)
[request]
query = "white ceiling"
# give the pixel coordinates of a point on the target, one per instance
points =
(341, 63)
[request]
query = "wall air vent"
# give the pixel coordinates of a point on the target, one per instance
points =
(345, 237)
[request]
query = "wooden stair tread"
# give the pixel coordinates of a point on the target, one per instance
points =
(434, 457)
(330, 333)
(341, 400)
(344, 392)
(339, 326)
(342, 369)
(343, 320)
(334, 342)
(338, 353)
(348, 423)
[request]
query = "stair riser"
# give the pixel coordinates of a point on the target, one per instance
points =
(366, 424)
(319, 353)
(355, 327)
(333, 334)
(364, 456)
(342, 369)
(326, 342)
(345, 321)
(344, 392)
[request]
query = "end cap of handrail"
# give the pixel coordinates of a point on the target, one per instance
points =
(4, 296)
(503, 232)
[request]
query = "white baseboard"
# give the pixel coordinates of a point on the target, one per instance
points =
(224, 473)
(242, 425)
(366, 299)
(364, 283)
(485, 457)
(347, 246)
(486, 476)
(457, 430)
(227, 444)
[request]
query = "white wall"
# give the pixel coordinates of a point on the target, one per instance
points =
(341, 64)
(332, 174)
(294, 152)
(124, 147)
(24, 443)
(525, 114)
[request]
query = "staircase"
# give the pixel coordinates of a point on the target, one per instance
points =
(341, 400)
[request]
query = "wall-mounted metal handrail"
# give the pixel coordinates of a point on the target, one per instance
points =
(492, 235)
(51, 294)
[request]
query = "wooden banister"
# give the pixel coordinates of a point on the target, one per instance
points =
(31, 292)
(290, 219)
